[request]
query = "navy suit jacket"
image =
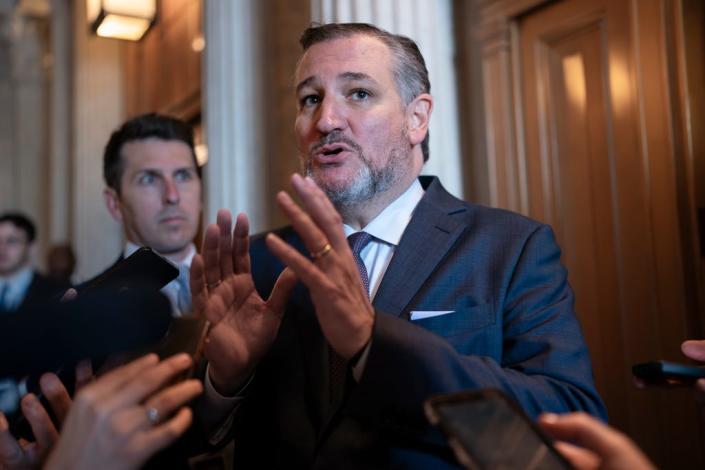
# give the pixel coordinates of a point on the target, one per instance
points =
(40, 291)
(513, 327)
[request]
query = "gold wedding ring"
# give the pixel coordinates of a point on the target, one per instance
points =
(322, 252)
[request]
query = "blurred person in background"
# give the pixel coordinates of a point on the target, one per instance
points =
(61, 263)
(21, 284)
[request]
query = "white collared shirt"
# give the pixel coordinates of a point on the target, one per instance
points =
(16, 286)
(172, 289)
(387, 229)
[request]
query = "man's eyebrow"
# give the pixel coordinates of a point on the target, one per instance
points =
(356, 76)
(347, 76)
(305, 82)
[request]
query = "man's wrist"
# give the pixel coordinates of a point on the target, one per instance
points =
(228, 388)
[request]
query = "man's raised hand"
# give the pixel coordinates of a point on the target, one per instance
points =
(243, 324)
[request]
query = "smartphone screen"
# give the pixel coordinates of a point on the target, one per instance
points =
(488, 431)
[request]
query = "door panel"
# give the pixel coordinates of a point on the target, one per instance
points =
(599, 162)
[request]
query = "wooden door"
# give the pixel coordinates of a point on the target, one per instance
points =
(599, 166)
(594, 154)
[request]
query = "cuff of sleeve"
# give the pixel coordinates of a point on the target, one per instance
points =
(359, 367)
(221, 409)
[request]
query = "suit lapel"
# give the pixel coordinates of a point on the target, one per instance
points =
(431, 233)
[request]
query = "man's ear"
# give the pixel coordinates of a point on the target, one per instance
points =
(112, 202)
(418, 114)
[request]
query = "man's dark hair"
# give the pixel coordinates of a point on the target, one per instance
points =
(22, 222)
(142, 127)
(410, 71)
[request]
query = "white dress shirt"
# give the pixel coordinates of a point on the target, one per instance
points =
(15, 287)
(173, 289)
(387, 229)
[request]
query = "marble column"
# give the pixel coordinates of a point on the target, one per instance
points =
(430, 24)
(23, 127)
(251, 49)
(235, 173)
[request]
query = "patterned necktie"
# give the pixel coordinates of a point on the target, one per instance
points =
(358, 241)
(338, 366)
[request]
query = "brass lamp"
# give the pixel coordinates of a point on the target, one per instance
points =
(121, 19)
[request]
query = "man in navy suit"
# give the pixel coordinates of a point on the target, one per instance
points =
(384, 291)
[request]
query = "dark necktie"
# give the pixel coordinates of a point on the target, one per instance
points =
(3, 298)
(358, 241)
(338, 366)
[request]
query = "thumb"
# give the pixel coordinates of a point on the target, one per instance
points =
(281, 291)
(694, 349)
(70, 294)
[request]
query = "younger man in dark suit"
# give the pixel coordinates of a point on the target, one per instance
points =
(20, 284)
(153, 188)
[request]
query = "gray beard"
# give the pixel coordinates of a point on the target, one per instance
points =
(367, 183)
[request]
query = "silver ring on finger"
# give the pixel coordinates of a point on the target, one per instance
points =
(153, 415)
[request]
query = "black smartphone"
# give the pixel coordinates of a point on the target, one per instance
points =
(667, 373)
(143, 269)
(487, 430)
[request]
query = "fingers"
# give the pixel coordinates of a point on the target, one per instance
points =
(302, 266)
(241, 245)
(171, 398)
(586, 431)
(117, 378)
(197, 282)
(56, 393)
(694, 349)
(43, 429)
(313, 237)
(10, 450)
(700, 385)
(320, 209)
(281, 291)
(70, 294)
(579, 458)
(211, 263)
(164, 434)
(225, 243)
(150, 380)
(84, 373)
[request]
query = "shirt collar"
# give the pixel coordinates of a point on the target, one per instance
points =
(131, 248)
(390, 224)
(19, 281)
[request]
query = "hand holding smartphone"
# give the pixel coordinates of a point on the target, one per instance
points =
(486, 430)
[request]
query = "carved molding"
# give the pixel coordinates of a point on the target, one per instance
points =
(502, 100)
